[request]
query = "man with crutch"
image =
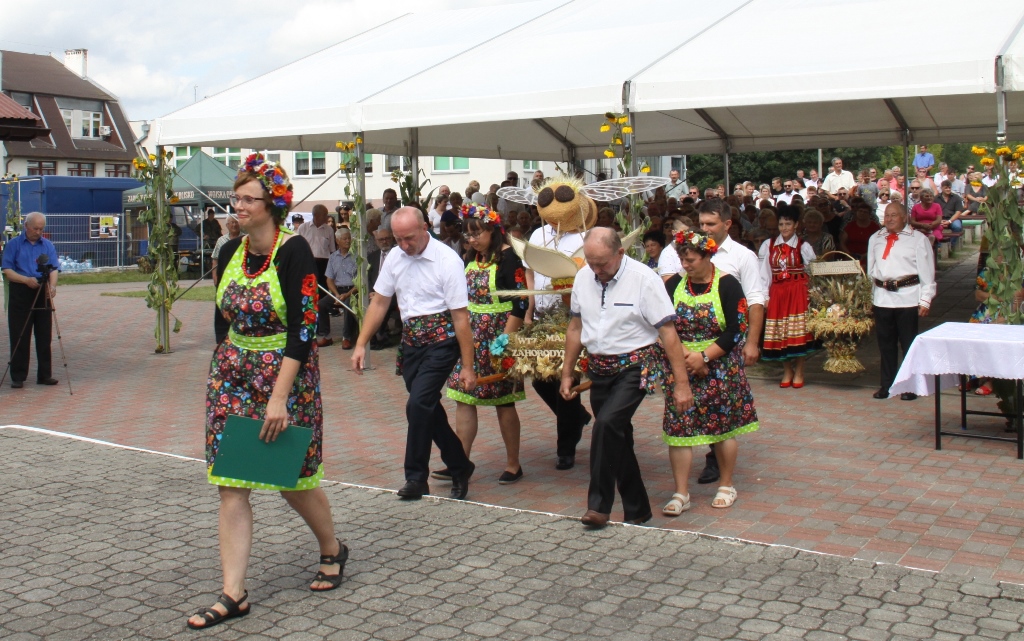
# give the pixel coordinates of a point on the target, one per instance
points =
(30, 265)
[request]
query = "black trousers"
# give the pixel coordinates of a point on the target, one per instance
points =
(425, 370)
(570, 417)
(894, 325)
(613, 463)
(351, 329)
(40, 320)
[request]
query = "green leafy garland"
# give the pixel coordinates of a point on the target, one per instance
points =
(13, 204)
(356, 220)
(619, 125)
(156, 173)
(410, 192)
(1005, 218)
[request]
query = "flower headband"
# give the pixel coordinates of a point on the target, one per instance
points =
(701, 242)
(273, 178)
(482, 213)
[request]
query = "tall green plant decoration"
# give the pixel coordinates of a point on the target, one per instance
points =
(620, 147)
(13, 202)
(156, 172)
(1005, 218)
(410, 192)
(356, 221)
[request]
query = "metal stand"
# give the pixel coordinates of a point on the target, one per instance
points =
(1017, 418)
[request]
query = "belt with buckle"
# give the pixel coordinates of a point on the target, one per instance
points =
(898, 283)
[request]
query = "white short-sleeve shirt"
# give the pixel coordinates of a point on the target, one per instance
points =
(910, 255)
(428, 283)
(567, 244)
(623, 315)
(669, 263)
(733, 258)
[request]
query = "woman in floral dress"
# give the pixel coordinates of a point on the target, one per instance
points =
(711, 319)
(494, 266)
(265, 367)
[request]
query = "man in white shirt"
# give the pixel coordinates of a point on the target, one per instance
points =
(733, 258)
(320, 236)
(675, 188)
(787, 194)
(429, 280)
(837, 179)
(943, 174)
(619, 311)
(570, 416)
(902, 269)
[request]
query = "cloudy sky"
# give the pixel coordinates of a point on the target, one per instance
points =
(154, 54)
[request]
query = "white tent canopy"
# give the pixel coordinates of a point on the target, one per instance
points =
(699, 77)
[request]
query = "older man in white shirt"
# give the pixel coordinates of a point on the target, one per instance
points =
(429, 280)
(837, 179)
(733, 258)
(619, 311)
(570, 417)
(902, 269)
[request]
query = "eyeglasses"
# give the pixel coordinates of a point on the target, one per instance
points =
(914, 188)
(473, 235)
(883, 195)
(694, 193)
(236, 200)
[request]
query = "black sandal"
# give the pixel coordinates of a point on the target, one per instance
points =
(334, 579)
(213, 617)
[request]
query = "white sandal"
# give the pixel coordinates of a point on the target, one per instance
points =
(679, 504)
(725, 494)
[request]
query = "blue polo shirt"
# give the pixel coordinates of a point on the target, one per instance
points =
(21, 255)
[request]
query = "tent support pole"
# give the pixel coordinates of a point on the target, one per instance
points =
(551, 131)
(414, 160)
(905, 134)
(363, 233)
(724, 137)
(1000, 103)
(906, 162)
(725, 158)
(163, 320)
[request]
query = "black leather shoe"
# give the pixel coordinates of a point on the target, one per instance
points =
(413, 491)
(586, 421)
(460, 483)
(639, 521)
(441, 475)
(17, 384)
(908, 396)
(710, 473)
(880, 394)
(48, 381)
(565, 462)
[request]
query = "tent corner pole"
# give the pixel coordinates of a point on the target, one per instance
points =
(414, 155)
(163, 320)
(363, 233)
(725, 159)
(1000, 103)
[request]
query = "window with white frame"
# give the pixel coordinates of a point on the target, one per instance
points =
(450, 164)
(310, 163)
(83, 118)
(91, 121)
(394, 163)
(346, 159)
(69, 118)
(230, 156)
(531, 165)
(183, 154)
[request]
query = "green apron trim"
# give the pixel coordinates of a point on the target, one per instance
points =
(462, 397)
(233, 273)
(492, 286)
(691, 441)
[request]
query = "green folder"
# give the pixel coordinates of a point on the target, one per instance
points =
(242, 455)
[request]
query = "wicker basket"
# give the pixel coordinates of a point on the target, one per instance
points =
(823, 267)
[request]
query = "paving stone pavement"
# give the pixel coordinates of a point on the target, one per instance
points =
(107, 543)
(831, 469)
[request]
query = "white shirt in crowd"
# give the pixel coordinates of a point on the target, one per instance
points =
(910, 255)
(786, 198)
(623, 315)
(567, 244)
(834, 182)
(668, 262)
(806, 255)
(428, 283)
(320, 239)
(735, 259)
(988, 181)
(435, 221)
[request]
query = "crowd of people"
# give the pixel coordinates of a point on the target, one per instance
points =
(724, 285)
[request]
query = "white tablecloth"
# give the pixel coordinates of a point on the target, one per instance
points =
(951, 349)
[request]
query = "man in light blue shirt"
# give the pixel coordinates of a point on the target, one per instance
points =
(924, 159)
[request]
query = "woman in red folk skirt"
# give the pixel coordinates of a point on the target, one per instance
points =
(784, 260)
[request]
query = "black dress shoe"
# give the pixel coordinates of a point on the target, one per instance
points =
(441, 475)
(17, 384)
(48, 381)
(880, 394)
(413, 491)
(638, 521)
(565, 462)
(710, 473)
(508, 478)
(908, 396)
(595, 520)
(460, 482)
(586, 421)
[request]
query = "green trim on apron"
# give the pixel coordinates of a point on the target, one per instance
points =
(682, 294)
(234, 273)
(492, 286)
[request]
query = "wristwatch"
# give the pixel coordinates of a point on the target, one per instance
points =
(705, 357)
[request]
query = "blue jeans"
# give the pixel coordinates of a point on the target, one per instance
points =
(956, 226)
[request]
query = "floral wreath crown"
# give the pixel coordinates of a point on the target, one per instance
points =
(482, 213)
(271, 176)
(702, 242)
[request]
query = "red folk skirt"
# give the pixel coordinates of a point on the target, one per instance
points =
(785, 323)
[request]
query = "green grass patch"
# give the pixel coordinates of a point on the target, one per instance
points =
(89, 278)
(204, 293)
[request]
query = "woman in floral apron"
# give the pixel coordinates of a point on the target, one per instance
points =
(495, 266)
(265, 367)
(711, 322)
